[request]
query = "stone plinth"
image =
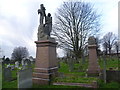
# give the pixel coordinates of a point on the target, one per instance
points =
(46, 62)
(93, 67)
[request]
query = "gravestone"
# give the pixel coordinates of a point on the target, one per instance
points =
(12, 67)
(26, 63)
(17, 64)
(93, 67)
(25, 78)
(0, 74)
(29, 64)
(8, 66)
(7, 74)
(24, 67)
(46, 61)
(22, 62)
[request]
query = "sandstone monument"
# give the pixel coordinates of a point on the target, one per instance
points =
(93, 67)
(45, 64)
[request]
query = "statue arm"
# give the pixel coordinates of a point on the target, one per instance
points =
(39, 11)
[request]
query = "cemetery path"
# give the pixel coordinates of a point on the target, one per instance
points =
(76, 84)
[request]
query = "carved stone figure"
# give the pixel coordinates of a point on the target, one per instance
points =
(91, 40)
(42, 13)
(44, 29)
(48, 24)
(41, 33)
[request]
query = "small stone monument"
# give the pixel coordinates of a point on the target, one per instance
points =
(12, 67)
(8, 65)
(46, 61)
(93, 67)
(7, 74)
(24, 78)
(17, 64)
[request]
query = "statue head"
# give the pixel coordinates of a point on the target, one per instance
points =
(41, 5)
(49, 15)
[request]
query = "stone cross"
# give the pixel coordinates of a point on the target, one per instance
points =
(42, 13)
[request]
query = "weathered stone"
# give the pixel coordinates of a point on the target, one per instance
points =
(44, 29)
(46, 62)
(93, 67)
(17, 64)
(7, 74)
(0, 75)
(91, 40)
(25, 78)
(12, 67)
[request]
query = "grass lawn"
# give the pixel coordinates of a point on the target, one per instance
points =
(109, 63)
(76, 76)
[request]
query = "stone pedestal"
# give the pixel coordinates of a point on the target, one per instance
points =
(46, 62)
(93, 67)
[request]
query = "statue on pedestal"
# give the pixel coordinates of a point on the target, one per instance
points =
(44, 29)
(91, 40)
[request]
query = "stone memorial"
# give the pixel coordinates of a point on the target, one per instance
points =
(8, 65)
(29, 64)
(46, 61)
(24, 67)
(17, 64)
(12, 67)
(23, 61)
(0, 75)
(25, 78)
(7, 74)
(26, 62)
(93, 66)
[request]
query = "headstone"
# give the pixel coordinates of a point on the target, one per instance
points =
(29, 64)
(23, 62)
(24, 67)
(25, 78)
(26, 62)
(7, 74)
(0, 75)
(104, 70)
(93, 67)
(17, 64)
(12, 67)
(8, 65)
(20, 68)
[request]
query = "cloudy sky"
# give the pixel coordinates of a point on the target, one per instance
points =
(19, 21)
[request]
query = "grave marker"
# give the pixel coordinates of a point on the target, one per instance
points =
(25, 78)
(17, 64)
(93, 67)
(7, 74)
(0, 75)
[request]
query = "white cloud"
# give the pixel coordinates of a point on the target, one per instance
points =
(19, 21)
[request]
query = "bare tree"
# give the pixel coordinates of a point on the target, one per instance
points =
(108, 41)
(105, 47)
(75, 22)
(19, 53)
(116, 44)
